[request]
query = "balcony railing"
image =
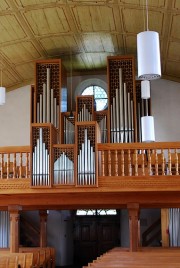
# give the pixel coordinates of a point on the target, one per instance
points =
(14, 162)
(133, 159)
(139, 159)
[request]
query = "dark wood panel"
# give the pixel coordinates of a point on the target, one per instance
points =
(94, 235)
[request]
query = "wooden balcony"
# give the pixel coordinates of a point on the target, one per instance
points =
(143, 173)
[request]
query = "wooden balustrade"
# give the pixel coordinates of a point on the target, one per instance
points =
(119, 160)
(14, 162)
(139, 159)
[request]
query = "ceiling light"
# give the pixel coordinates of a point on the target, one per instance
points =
(147, 129)
(145, 89)
(148, 53)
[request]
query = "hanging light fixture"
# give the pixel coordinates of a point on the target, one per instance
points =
(147, 128)
(2, 89)
(147, 122)
(148, 53)
(145, 89)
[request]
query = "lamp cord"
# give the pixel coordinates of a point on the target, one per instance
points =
(147, 22)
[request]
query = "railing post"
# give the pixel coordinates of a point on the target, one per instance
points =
(134, 226)
(164, 227)
(43, 228)
(14, 227)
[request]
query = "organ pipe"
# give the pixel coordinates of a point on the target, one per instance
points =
(47, 107)
(86, 162)
(63, 170)
(121, 109)
(40, 163)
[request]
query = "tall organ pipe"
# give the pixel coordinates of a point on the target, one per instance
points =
(48, 95)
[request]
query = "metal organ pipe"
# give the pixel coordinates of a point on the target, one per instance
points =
(40, 163)
(86, 162)
(48, 95)
(47, 107)
(63, 170)
(121, 114)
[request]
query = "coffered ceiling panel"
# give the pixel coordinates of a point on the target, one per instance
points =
(4, 5)
(10, 29)
(134, 21)
(177, 4)
(89, 30)
(96, 18)
(55, 45)
(33, 2)
(173, 68)
(175, 26)
(26, 71)
(99, 43)
(10, 78)
(131, 44)
(20, 52)
(47, 21)
(173, 51)
(151, 3)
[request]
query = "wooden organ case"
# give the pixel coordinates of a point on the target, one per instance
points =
(63, 144)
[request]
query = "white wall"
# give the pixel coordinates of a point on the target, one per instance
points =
(165, 99)
(15, 118)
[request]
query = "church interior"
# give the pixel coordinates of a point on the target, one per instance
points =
(89, 140)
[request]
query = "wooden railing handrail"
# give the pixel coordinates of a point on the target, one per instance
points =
(138, 145)
(15, 149)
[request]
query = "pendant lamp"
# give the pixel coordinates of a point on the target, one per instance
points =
(2, 91)
(147, 129)
(145, 89)
(148, 53)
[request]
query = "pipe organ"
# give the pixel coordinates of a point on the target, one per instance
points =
(63, 165)
(85, 108)
(4, 229)
(102, 119)
(43, 138)
(64, 146)
(68, 126)
(86, 142)
(122, 97)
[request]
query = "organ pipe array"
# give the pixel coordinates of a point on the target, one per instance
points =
(40, 158)
(47, 107)
(86, 162)
(4, 229)
(64, 169)
(121, 111)
(54, 165)
(86, 142)
(68, 128)
(102, 119)
(85, 108)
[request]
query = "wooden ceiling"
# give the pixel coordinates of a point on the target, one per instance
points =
(90, 30)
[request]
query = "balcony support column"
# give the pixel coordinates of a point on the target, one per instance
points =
(134, 226)
(43, 228)
(14, 227)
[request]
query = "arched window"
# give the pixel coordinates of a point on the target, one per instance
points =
(95, 87)
(95, 212)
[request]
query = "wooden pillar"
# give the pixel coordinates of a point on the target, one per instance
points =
(164, 227)
(14, 227)
(43, 228)
(134, 227)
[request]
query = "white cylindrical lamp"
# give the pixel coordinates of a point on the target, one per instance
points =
(148, 55)
(145, 89)
(2, 95)
(147, 129)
